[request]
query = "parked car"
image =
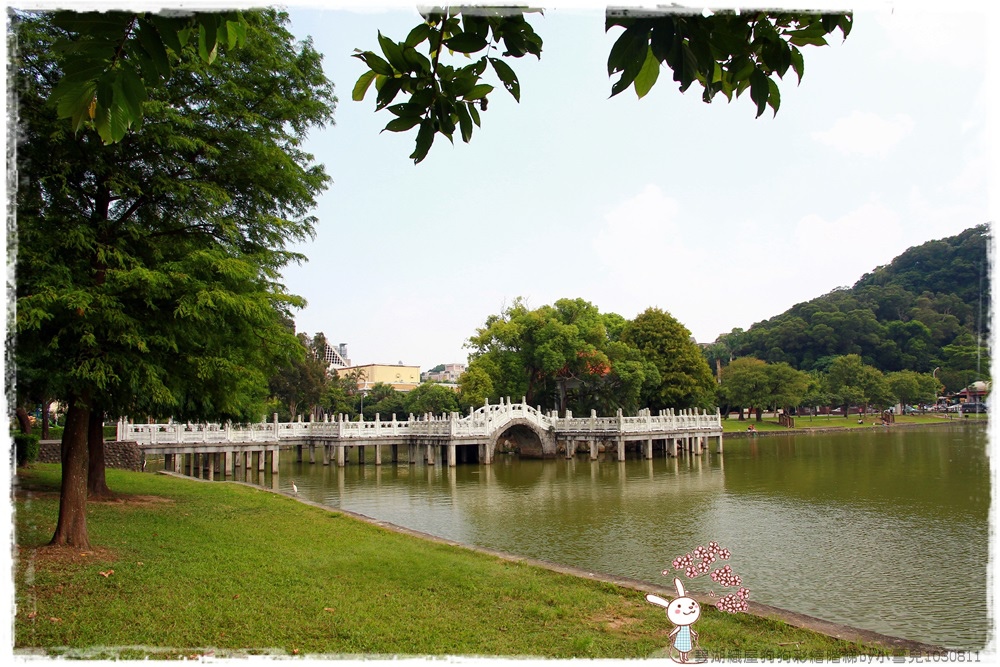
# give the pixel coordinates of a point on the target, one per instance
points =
(974, 408)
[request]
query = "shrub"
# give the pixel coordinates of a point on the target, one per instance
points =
(26, 448)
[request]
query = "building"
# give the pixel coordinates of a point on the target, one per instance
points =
(399, 377)
(450, 373)
(336, 358)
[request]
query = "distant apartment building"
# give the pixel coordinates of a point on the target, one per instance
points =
(450, 373)
(400, 377)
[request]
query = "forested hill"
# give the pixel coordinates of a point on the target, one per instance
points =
(925, 310)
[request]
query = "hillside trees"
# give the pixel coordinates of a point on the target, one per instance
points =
(148, 268)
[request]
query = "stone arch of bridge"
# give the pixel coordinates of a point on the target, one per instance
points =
(530, 439)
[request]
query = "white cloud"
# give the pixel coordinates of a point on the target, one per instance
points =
(865, 133)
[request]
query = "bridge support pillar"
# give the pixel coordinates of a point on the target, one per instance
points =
(621, 448)
(395, 453)
(672, 447)
(341, 455)
(312, 454)
(298, 453)
(361, 455)
(570, 448)
(593, 450)
(720, 443)
(168, 461)
(378, 455)
(451, 455)
(648, 451)
(211, 467)
(260, 460)
(411, 453)
(229, 463)
(430, 454)
(274, 460)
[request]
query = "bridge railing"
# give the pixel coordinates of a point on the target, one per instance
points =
(479, 423)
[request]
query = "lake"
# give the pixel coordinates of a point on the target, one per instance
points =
(886, 530)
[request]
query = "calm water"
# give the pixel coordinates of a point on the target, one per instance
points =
(883, 530)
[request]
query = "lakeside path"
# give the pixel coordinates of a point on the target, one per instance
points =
(734, 428)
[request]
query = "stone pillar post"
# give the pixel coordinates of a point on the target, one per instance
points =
(274, 460)
(211, 467)
(570, 448)
(411, 453)
(593, 450)
(621, 448)
(649, 448)
(720, 443)
(378, 455)
(263, 457)
(430, 454)
(361, 455)
(451, 455)
(229, 463)
(341, 455)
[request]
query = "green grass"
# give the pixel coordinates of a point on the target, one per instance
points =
(237, 570)
(733, 425)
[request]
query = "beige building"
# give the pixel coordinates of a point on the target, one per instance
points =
(400, 377)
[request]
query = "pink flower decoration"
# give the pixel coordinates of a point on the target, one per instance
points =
(724, 554)
(713, 547)
(691, 572)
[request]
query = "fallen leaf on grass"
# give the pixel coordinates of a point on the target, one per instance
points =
(236, 597)
(106, 574)
(295, 651)
(139, 562)
(32, 614)
(329, 609)
(55, 620)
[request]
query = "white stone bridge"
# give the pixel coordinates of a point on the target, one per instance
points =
(452, 439)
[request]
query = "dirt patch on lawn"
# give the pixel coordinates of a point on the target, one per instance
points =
(50, 557)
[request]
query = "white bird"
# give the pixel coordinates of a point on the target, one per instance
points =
(295, 489)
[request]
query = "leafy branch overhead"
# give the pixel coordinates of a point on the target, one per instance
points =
(726, 53)
(112, 58)
(443, 98)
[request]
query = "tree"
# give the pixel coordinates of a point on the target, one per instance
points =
(475, 386)
(726, 53)
(788, 386)
(852, 382)
(685, 380)
(147, 268)
(911, 387)
(301, 384)
(431, 398)
(747, 384)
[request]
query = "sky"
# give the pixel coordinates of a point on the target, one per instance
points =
(702, 210)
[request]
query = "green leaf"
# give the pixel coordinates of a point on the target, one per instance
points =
(407, 110)
(401, 124)
(474, 112)
(425, 137)
(797, 63)
(169, 29)
(153, 44)
(759, 90)
(464, 121)
(387, 93)
(362, 85)
(466, 43)
(416, 61)
(376, 63)
(133, 93)
(647, 75)
(774, 95)
(207, 44)
(479, 92)
(418, 35)
(507, 77)
(393, 53)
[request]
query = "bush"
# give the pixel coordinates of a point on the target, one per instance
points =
(26, 448)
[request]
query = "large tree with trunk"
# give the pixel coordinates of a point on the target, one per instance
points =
(148, 267)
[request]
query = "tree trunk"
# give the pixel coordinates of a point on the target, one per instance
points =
(22, 420)
(97, 486)
(71, 530)
(760, 414)
(45, 419)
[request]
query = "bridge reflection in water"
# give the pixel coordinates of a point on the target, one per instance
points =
(208, 450)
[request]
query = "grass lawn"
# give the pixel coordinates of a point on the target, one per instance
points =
(733, 425)
(182, 567)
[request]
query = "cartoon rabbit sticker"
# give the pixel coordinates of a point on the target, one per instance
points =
(682, 611)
